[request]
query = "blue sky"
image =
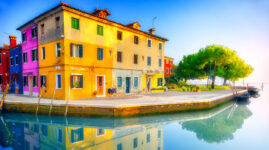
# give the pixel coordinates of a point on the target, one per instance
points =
(242, 25)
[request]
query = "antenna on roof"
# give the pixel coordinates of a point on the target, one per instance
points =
(96, 4)
(153, 21)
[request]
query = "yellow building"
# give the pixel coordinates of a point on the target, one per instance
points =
(84, 55)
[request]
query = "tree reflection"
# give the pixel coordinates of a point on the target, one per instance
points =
(221, 127)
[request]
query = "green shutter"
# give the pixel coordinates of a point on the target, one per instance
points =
(81, 82)
(80, 51)
(71, 49)
(71, 80)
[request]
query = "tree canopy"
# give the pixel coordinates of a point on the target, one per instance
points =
(212, 61)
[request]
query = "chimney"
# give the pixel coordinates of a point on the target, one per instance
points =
(102, 13)
(152, 30)
(12, 41)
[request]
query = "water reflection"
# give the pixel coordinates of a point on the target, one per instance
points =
(24, 131)
(220, 127)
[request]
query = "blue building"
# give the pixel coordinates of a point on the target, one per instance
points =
(16, 70)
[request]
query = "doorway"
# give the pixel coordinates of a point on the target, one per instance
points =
(148, 84)
(100, 85)
(30, 79)
(128, 85)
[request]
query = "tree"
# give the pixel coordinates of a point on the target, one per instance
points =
(216, 56)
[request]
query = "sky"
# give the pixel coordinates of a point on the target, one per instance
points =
(242, 25)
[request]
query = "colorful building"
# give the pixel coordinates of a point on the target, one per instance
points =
(16, 69)
(168, 66)
(29, 52)
(84, 55)
(5, 64)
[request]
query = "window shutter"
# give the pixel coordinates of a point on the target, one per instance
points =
(71, 80)
(71, 49)
(102, 54)
(81, 81)
(32, 55)
(80, 51)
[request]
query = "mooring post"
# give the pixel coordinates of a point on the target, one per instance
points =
(40, 92)
(3, 98)
(66, 105)
(52, 101)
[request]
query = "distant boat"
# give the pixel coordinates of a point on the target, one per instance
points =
(243, 97)
(253, 91)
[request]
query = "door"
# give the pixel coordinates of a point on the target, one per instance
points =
(128, 85)
(100, 85)
(148, 84)
(30, 80)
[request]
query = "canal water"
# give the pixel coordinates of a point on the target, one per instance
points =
(235, 125)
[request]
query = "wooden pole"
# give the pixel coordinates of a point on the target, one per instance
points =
(3, 98)
(40, 92)
(51, 102)
(66, 106)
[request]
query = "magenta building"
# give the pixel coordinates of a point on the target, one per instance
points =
(30, 59)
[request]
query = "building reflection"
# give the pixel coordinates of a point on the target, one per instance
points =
(22, 131)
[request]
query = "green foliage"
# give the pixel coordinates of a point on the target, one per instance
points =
(213, 60)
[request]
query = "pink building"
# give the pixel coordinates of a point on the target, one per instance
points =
(30, 59)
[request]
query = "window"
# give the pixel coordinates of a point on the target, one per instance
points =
(119, 35)
(0, 58)
(1, 79)
(76, 81)
(160, 62)
(160, 81)
(24, 55)
(42, 28)
(135, 82)
(75, 23)
(11, 61)
(25, 81)
(43, 53)
(135, 143)
(76, 50)
(59, 135)
(58, 81)
(34, 32)
(35, 81)
(100, 30)
(119, 56)
(24, 37)
(136, 39)
(16, 60)
(171, 62)
(34, 55)
(119, 82)
(100, 54)
(76, 135)
(171, 70)
(58, 49)
(159, 133)
(160, 46)
(135, 59)
(43, 81)
(148, 138)
(167, 71)
(149, 43)
(57, 22)
(44, 130)
(149, 61)
(119, 146)
(100, 132)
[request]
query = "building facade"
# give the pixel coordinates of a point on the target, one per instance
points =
(84, 55)
(5, 63)
(29, 50)
(16, 70)
(168, 66)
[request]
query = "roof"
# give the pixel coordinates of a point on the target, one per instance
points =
(66, 5)
(168, 57)
(5, 47)
(18, 45)
(98, 10)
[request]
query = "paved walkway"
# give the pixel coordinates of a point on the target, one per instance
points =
(171, 97)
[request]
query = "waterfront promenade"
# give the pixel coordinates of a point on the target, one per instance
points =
(119, 106)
